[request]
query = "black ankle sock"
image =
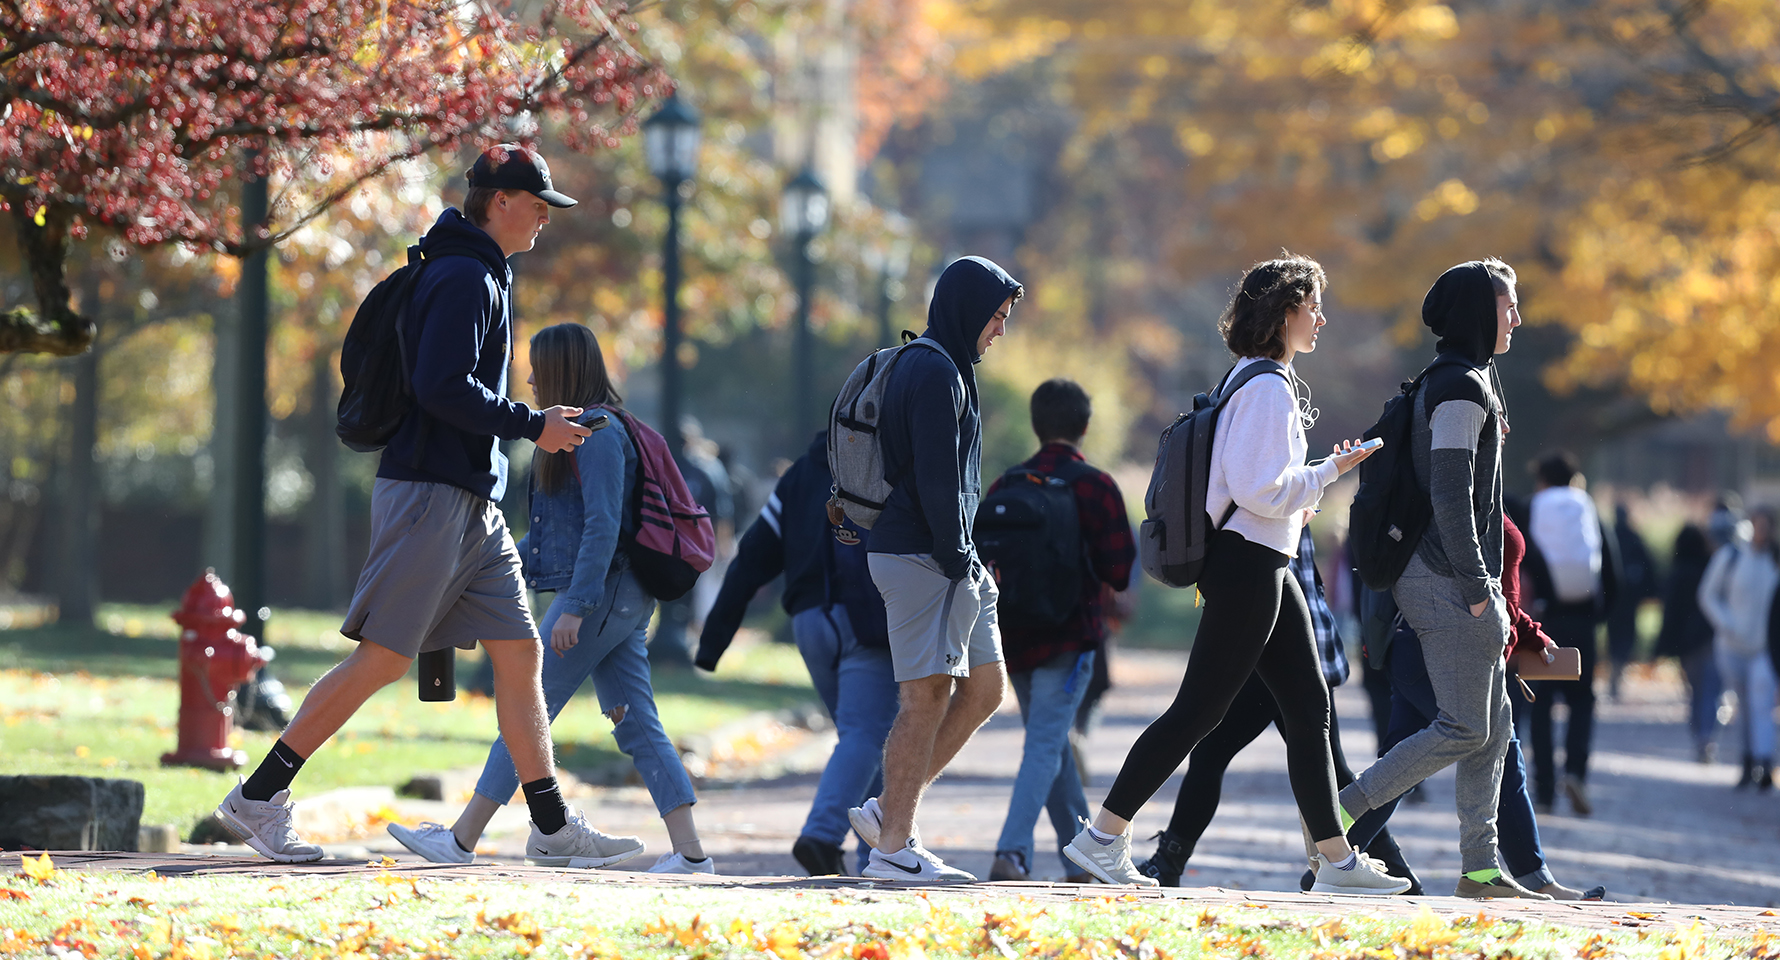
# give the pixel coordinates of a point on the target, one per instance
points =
(544, 799)
(273, 774)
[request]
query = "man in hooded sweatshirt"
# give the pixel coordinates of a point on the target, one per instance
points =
(1451, 591)
(939, 602)
(443, 570)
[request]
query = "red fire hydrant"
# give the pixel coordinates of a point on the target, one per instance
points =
(214, 658)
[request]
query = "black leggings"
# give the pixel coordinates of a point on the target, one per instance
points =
(1255, 621)
(1249, 716)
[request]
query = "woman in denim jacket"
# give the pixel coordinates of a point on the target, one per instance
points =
(598, 619)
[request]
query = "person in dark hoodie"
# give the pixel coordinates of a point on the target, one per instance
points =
(945, 644)
(1451, 592)
(837, 619)
(443, 570)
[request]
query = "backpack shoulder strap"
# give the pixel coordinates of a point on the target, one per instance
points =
(958, 378)
(1235, 380)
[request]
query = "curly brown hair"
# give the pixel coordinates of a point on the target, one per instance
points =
(1254, 324)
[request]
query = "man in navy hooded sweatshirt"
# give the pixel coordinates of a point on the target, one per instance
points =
(443, 570)
(939, 602)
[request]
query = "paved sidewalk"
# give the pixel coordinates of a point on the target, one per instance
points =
(1664, 829)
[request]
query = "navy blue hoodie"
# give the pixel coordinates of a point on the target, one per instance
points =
(933, 458)
(460, 343)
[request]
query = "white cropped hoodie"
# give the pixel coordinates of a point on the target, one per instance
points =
(1257, 462)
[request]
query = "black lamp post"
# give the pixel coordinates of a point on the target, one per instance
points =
(670, 139)
(803, 212)
(888, 257)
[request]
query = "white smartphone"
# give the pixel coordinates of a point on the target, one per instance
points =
(1372, 444)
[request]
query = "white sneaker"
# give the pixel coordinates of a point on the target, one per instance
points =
(867, 820)
(676, 862)
(579, 846)
(434, 841)
(265, 826)
(1108, 862)
(1366, 876)
(913, 864)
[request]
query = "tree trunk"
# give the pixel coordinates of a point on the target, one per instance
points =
(219, 509)
(58, 329)
(325, 540)
(77, 582)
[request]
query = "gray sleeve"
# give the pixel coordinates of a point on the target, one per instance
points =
(1456, 425)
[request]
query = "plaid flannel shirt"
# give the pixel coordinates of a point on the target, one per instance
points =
(1322, 619)
(1111, 550)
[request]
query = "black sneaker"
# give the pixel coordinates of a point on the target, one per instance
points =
(1168, 862)
(819, 858)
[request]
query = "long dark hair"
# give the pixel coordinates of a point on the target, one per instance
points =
(567, 369)
(1254, 324)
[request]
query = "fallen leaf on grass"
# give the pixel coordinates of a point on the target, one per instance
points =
(1640, 915)
(8, 893)
(1426, 932)
(40, 869)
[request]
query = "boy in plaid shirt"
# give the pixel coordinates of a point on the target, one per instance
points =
(1050, 666)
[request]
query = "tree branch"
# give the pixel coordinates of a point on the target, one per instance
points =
(60, 330)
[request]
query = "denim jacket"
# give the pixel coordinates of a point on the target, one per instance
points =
(573, 542)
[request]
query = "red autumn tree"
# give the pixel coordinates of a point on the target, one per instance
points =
(142, 115)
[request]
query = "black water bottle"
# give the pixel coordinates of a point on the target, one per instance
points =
(438, 675)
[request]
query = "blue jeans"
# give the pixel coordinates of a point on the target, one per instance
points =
(1413, 707)
(857, 685)
(1048, 696)
(613, 650)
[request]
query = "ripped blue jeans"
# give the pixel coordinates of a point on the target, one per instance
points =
(613, 650)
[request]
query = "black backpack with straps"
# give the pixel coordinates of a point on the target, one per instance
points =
(1391, 511)
(379, 392)
(1030, 531)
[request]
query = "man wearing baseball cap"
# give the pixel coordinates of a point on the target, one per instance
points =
(443, 571)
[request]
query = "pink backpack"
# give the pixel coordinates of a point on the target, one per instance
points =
(674, 540)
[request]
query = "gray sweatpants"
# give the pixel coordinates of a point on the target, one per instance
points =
(1470, 681)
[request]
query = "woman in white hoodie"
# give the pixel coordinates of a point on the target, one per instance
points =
(1256, 620)
(1734, 595)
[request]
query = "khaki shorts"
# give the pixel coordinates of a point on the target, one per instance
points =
(442, 572)
(936, 626)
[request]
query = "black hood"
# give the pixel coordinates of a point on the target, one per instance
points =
(818, 452)
(964, 300)
(1461, 310)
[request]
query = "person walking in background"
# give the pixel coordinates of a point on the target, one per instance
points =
(945, 643)
(1451, 591)
(1687, 636)
(598, 616)
(1050, 660)
(1250, 714)
(709, 482)
(1579, 584)
(442, 570)
(1117, 606)
(1637, 583)
(837, 619)
(1735, 594)
(1255, 618)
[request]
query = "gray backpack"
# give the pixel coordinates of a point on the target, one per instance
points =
(1177, 532)
(854, 456)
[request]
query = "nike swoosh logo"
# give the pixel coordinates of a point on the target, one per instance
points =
(287, 764)
(910, 870)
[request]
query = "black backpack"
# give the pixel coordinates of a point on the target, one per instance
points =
(1177, 531)
(378, 393)
(1390, 511)
(1030, 531)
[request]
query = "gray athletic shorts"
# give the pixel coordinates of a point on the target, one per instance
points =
(936, 626)
(442, 572)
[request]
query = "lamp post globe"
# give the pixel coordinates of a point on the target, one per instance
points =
(670, 143)
(803, 212)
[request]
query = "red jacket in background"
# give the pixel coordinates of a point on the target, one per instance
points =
(1527, 633)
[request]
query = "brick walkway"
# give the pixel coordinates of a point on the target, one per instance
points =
(1664, 829)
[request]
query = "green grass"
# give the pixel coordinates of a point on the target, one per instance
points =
(93, 703)
(393, 915)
